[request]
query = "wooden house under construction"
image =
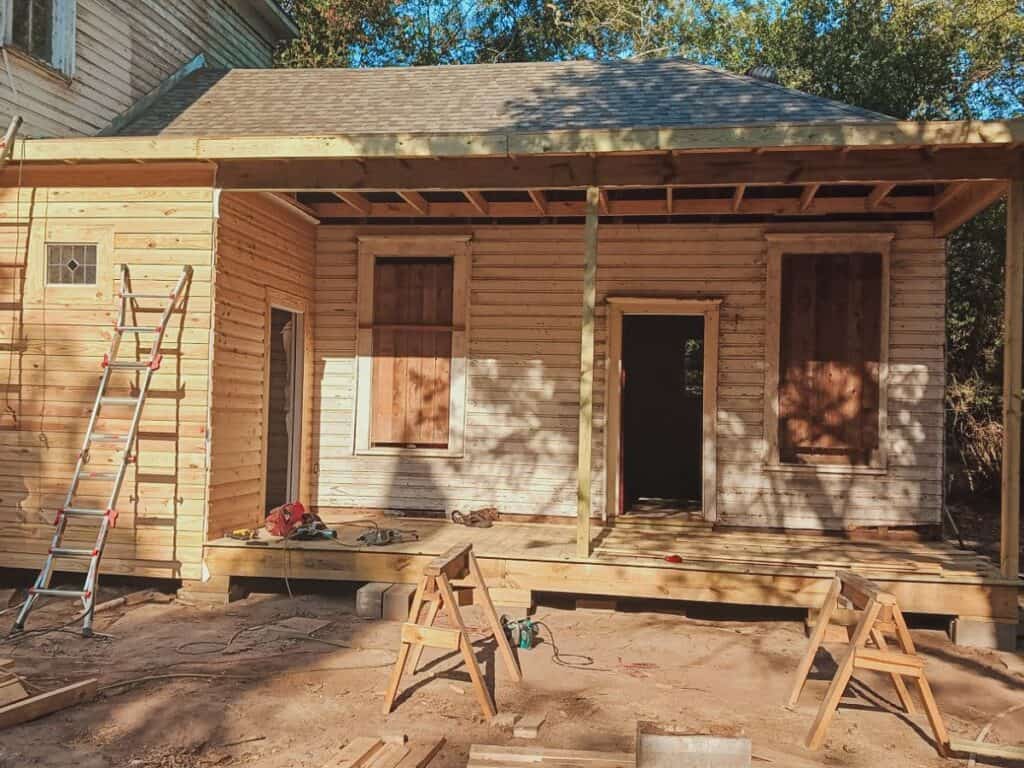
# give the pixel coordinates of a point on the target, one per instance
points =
(641, 308)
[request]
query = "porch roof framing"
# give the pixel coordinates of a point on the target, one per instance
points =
(893, 133)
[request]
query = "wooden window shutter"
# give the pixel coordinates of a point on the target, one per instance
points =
(830, 358)
(412, 351)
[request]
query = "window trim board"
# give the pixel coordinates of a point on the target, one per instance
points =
(371, 248)
(778, 244)
(64, 38)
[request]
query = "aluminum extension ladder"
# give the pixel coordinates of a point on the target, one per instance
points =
(106, 515)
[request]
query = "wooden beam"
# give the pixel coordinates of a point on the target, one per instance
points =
(949, 192)
(765, 206)
(584, 469)
(355, 200)
(972, 199)
(1013, 382)
(878, 194)
(478, 201)
(416, 200)
(807, 196)
(668, 200)
(721, 169)
(831, 136)
(540, 200)
(737, 197)
(604, 202)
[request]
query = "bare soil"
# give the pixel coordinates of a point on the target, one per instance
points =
(273, 702)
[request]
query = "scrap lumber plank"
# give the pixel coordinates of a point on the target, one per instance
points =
(46, 703)
(357, 752)
(6, 663)
(529, 725)
(420, 755)
(388, 756)
(490, 755)
(11, 690)
(985, 749)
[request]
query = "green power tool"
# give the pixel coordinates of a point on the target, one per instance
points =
(522, 633)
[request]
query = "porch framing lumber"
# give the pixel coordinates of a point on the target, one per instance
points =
(584, 466)
(615, 171)
(969, 200)
(1013, 382)
(873, 134)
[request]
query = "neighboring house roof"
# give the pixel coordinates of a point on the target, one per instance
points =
(272, 20)
(536, 96)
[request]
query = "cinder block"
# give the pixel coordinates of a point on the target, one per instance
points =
(984, 633)
(370, 600)
(397, 602)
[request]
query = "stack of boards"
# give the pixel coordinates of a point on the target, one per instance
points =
(17, 706)
(369, 752)
(482, 756)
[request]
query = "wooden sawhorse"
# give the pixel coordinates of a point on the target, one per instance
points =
(879, 615)
(433, 593)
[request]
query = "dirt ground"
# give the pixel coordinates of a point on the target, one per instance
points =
(275, 702)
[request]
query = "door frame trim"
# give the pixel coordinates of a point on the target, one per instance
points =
(710, 310)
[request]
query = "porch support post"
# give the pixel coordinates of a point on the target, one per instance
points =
(586, 430)
(1013, 386)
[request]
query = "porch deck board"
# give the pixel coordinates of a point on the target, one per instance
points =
(727, 567)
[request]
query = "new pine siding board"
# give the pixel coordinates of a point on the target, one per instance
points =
(51, 353)
(260, 245)
(125, 50)
(523, 386)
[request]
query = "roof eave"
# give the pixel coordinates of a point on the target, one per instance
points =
(886, 134)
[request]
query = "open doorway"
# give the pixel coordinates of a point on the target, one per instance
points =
(661, 391)
(662, 414)
(284, 407)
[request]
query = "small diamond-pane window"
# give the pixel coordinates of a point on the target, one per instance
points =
(70, 264)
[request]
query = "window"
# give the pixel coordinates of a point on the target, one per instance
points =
(70, 264)
(44, 29)
(411, 368)
(828, 355)
(412, 352)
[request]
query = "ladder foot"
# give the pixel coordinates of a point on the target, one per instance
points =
(86, 631)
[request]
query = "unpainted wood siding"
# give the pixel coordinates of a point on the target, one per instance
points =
(126, 49)
(523, 387)
(261, 244)
(50, 353)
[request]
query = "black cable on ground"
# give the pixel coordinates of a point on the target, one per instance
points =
(570, 660)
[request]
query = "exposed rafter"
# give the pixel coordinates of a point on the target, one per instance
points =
(603, 201)
(948, 193)
(416, 200)
(807, 196)
(878, 194)
(478, 201)
(668, 199)
(355, 200)
(967, 203)
(737, 196)
(540, 200)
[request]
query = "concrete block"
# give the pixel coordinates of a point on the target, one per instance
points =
(397, 602)
(984, 633)
(370, 600)
(215, 591)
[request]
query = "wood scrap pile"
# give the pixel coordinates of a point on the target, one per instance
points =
(17, 706)
(486, 756)
(389, 752)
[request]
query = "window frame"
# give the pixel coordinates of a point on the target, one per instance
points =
(42, 233)
(778, 245)
(63, 44)
(372, 248)
(60, 244)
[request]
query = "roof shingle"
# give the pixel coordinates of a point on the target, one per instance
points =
(536, 96)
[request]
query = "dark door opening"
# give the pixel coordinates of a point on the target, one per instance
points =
(283, 407)
(662, 414)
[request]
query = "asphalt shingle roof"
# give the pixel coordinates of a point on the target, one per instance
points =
(539, 96)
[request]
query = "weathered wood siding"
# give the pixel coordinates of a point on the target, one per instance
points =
(523, 384)
(125, 50)
(261, 245)
(50, 354)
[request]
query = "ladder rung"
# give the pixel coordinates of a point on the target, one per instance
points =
(147, 295)
(119, 401)
(100, 437)
(81, 512)
(62, 552)
(98, 475)
(60, 592)
(128, 366)
(136, 329)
